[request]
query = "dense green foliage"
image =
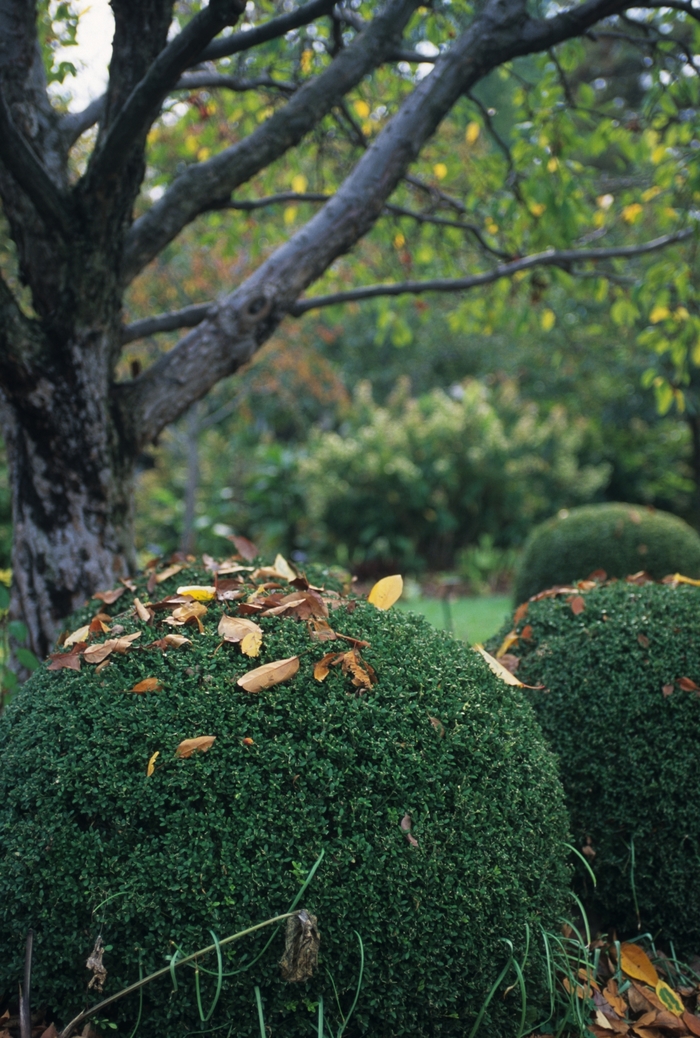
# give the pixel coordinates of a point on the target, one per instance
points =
(89, 843)
(628, 738)
(617, 538)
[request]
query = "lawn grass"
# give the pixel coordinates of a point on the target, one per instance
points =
(473, 619)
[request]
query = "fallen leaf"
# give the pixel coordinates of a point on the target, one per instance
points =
(98, 626)
(577, 605)
(102, 666)
(669, 998)
(634, 516)
(152, 763)
(269, 674)
(585, 585)
(667, 690)
(248, 741)
(602, 1020)
(97, 653)
(124, 644)
(411, 839)
(200, 592)
(386, 591)
(520, 612)
(50, 1032)
(692, 1022)
(235, 628)
(244, 547)
(143, 614)
(643, 641)
(200, 745)
(614, 999)
(676, 578)
(77, 636)
(510, 662)
(639, 578)
(283, 568)
(323, 666)
(526, 633)
(147, 685)
(688, 685)
(192, 610)
(647, 1019)
(598, 574)
(67, 660)
(320, 630)
(166, 574)
(363, 675)
(109, 597)
(510, 639)
(250, 644)
(406, 823)
(498, 669)
(636, 963)
(438, 726)
(637, 999)
(128, 583)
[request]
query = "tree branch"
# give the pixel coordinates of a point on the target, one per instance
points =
(562, 258)
(272, 30)
(215, 81)
(143, 104)
(188, 317)
(74, 124)
(28, 172)
(202, 185)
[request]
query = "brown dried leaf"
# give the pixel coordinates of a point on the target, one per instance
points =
(142, 612)
(692, 1022)
(520, 612)
(510, 662)
(322, 666)
(598, 575)
(643, 641)
(199, 745)
(639, 578)
(577, 605)
(192, 610)
(667, 690)
(406, 823)
(526, 633)
(128, 584)
(637, 999)
(148, 685)
(269, 674)
(688, 685)
(109, 597)
(244, 547)
(235, 628)
(97, 653)
(411, 839)
(50, 1032)
(166, 574)
(98, 626)
(320, 630)
(67, 660)
(614, 998)
(363, 675)
(438, 726)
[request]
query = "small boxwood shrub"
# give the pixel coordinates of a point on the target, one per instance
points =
(620, 539)
(626, 728)
(89, 843)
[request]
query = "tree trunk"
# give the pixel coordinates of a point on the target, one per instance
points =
(72, 483)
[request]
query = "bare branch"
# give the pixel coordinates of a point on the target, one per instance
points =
(27, 170)
(246, 205)
(143, 104)
(441, 221)
(215, 81)
(203, 185)
(562, 258)
(188, 317)
(74, 124)
(271, 30)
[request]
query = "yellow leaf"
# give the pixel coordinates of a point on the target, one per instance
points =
(510, 639)
(236, 628)
(399, 240)
(537, 208)
(167, 573)
(290, 214)
(386, 591)
(631, 213)
(678, 579)
(189, 746)
(499, 670)
(472, 133)
(77, 636)
(283, 568)
(651, 192)
(440, 170)
(199, 592)
(152, 763)
(669, 998)
(636, 963)
(306, 59)
(553, 165)
(250, 644)
(184, 613)
(299, 183)
(548, 320)
(148, 685)
(362, 109)
(659, 313)
(269, 674)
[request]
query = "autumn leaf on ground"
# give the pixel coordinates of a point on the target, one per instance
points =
(98, 625)
(152, 763)
(520, 613)
(510, 639)
(643, 641)
(142, 612)
(97, 653)
(438, 726)
(692, 1022)
(170, 641)
(235, 628)
(188, 614)
(614, 998)
(406, 825)
(636, 963)
(667, 690)
(244, 547)
(250, 644)
(269, 674)
(283, 568)
(322, 667)
(688, 685)
(77, 636)
(200, 592)
(498, 669)
(320, 630)
(67, 660)
(577, 605)
(169, 572)
(526, 632)
(386, 591)
(362, 674)
(676, 578)
(109, 597)
(147, 685)
(669, 998)
(199, 745)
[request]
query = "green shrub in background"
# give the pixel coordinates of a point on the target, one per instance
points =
(626, 728)
(90, 844)
(620, 539)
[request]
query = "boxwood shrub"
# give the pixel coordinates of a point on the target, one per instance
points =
(626, 728)
(90, 844)
(620, 539)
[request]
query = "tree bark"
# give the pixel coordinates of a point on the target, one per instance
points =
(72, 485)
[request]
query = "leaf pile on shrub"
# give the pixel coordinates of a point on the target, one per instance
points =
(617, 538)
(618, 670)
(194, 744)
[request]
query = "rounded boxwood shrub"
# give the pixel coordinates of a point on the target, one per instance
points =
(621, 707)
(91, 844)
(617, 538)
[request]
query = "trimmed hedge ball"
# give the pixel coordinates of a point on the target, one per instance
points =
(621, 707)
(617, 538)
(431, 794)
